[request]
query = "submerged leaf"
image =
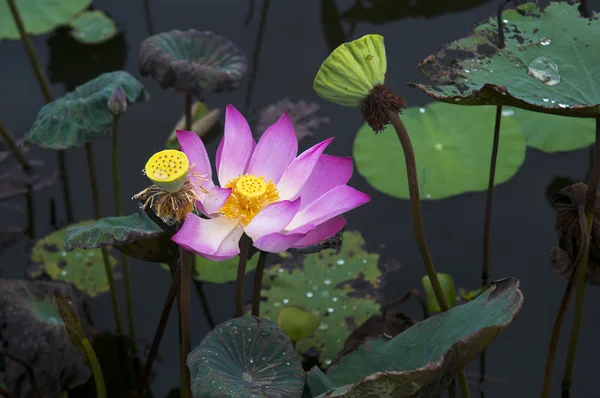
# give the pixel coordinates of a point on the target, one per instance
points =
(83, 115)
(246, 357)
(544, 67)
(424, 359)
(93, 27)
(83, 268)
(301, 113)
(452, 147)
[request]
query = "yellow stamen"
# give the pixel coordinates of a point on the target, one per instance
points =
(249, 195)
(168, 169)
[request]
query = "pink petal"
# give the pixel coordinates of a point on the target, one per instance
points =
(299, 170)
(215, 199)
(230, 247)
(272, 218)
(275, 151)
(194, 149)
(237, 146)
(276, 242)
(218, 155)
(333, 203)
(203, 236)
(322, 232)
(328, 173)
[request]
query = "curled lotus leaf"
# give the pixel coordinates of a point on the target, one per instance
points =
(193, 62)
(246, 357)
(549, 64)
(83, 115)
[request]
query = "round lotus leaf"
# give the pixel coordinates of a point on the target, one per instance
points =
(550, 63)
(82, 268)
(452, 146)
(194, 62)
(93, 27)
(39, 16)
(83, 115)
(297, 323)
(246, 357)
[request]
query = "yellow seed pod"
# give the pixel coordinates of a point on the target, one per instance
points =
(168, 169)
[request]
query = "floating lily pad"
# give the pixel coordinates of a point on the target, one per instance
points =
(136, 235)
(83, 115)
(93, 27)
(341, 287)
(246, 357)
(83, 268)
(550, 63)
(39, 16)
(424, 359)
(452, 147)
(217, 271)
(297, 323)
(553, 133)
(194, 62)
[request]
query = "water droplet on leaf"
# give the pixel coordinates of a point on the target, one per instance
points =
(545, 70)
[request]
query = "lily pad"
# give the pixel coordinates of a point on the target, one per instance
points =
(93, 27)
(447, 283)
(82, 268)
(39, 16)
(452, 147)
(297, 323)
(83, 115)
(341, 287)
(217, 271)
(549, 64)
(136, 235)
(553, 133)
(424, 359)
(246, 357)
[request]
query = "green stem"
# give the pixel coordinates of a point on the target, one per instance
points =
(241, 273)
(463, 383)
(14, 148)
(185, 319)
(97, 215)
(45, 87)
(258, 276)
(119, 211)
(188, 112)
(580, 282)
(92, 360)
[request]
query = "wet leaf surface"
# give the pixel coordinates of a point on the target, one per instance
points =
(93, 27)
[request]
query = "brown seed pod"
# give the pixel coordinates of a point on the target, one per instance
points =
(373, 107)
(571, 229)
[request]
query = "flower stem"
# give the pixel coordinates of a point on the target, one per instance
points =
(488, 203)
(241, 273)
(162, 323)
(258, 276)
(97, 215)
(119, 211)
(582, 268)
(45, 87)
(92, 360)
(185, 319)
(203, 301)
(14, 148)
(30, 374)
(558, 322)
(188, 111)
(415, 201)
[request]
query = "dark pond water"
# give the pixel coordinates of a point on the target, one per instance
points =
(286, 42)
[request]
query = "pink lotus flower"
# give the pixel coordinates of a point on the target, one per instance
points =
(277, 198)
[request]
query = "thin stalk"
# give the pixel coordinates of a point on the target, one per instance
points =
(264, 12)
(488, 203)
(258, 276)
(241, 273)
(14, 148)
(203, 301)
(185, 319)
(580, 282)
(97, 215)
(482, 372)
(188, 111)
(160, 330)
(415, 201)
(92, 360)
(119, 211)
(30, 374)
(558, 322)
(45, 87)
(452, 389)
(148, 17)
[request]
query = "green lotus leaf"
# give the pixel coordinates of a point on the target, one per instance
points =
(297, 323)
(341, 287)
(246, 357)
(549, 64)
(135, 235)
(82, 268)
(452, 147)
(39, 16)
(82, 115)
(448, 290)
(93, 27)
(423, 360)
